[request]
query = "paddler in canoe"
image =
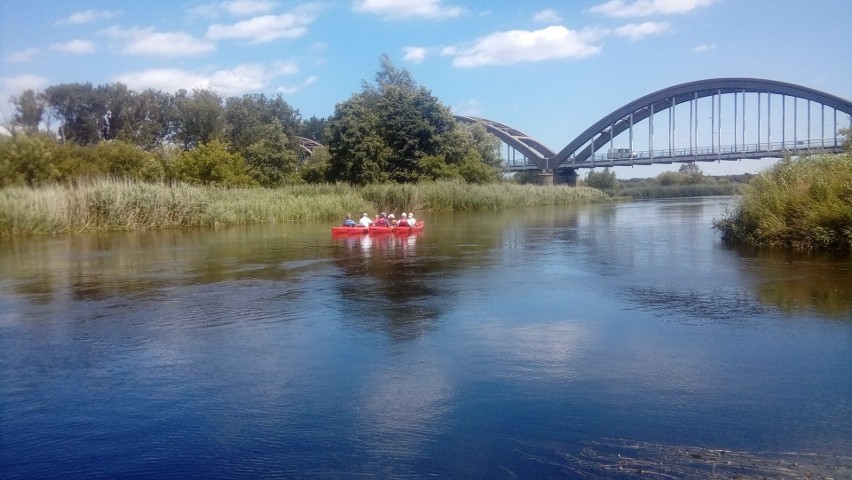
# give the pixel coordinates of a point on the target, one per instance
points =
(348, 222)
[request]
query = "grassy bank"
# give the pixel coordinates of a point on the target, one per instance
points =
(677, 191)
(801, 204)
(124, 205)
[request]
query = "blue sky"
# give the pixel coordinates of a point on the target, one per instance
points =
(548, 68)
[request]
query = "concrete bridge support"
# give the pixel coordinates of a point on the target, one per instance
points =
(545, 178)
(566, 176)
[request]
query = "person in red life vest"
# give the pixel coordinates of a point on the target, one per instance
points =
(382, 221)
(403, 221)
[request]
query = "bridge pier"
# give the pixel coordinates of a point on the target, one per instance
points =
(566, 176)
(545, 178)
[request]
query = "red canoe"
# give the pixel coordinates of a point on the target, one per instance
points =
(376, 230)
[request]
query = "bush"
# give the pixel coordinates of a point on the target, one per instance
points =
(800, 204)
(212, 164)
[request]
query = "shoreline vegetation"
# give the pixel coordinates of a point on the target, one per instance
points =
(800, 204)
(122, 205)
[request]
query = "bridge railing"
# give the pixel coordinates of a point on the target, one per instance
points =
(792, 146)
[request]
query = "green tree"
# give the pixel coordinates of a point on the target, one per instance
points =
(313, 128)
(395, 130)
(80, 111)
(271, 158)
(212, 164)
(692, 173)
(315, 168)
(604, 180)
(199, 118)
(29, 110)
(28, 160)
(125, 160)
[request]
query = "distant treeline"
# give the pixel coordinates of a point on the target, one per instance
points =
(391, 131)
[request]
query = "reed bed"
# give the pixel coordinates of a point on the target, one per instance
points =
(105, 204)
(679, 191)
(802, 204)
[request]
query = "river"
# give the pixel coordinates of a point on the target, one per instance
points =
(550, 342)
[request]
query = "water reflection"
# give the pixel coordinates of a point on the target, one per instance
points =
(801, 281)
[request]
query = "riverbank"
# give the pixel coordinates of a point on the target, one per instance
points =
(802, 204)
(104, 205)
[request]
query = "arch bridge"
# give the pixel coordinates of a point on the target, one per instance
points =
(703, 121)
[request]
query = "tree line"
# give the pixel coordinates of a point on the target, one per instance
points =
(393, 130)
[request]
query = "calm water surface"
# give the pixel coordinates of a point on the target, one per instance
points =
(494, 344)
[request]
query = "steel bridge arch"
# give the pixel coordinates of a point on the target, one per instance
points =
(528, 146)
(640, 109)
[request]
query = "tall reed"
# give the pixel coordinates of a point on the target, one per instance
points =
(105, 204)
(801, 204)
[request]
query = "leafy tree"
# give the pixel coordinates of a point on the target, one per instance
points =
(79, 109)
(847, 141)
(28, 160)
(604, 180)
(125, 160)
(29, 110)
(271, 160)
(315, 168)
(212, 164)
(395, 130)
(358, 152)
(199, 117)
(691, 172)
(313, 128)
(245, 115)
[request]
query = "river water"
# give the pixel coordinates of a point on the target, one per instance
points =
(492, 345)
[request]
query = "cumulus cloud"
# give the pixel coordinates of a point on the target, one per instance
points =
(470, 108)
(267, 28)
(291, 89)
(88, 16)
(414, 54)
(638, 31)
(646, 8)
(229, 82)
(704, 48)
(77, 47)
(18, 84)
(517, 46)
(236, 8)
(148, 42)
(547, 16)
(22, 56)
(401, 9)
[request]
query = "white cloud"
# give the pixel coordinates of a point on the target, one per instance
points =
(401, 9)
(16, 85)
(291, 89)
(228, 82)
(88, 16)
(638, 31)
(22, 56)
(267, 28)
(244, 8)
(414, 54)
(237, 8)
(516, 46)
(704, 48)
(147, 41)
(646, 8)
(77, 47)
(547, 16)
(471, 108)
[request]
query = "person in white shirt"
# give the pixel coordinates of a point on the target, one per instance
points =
(365, 220)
